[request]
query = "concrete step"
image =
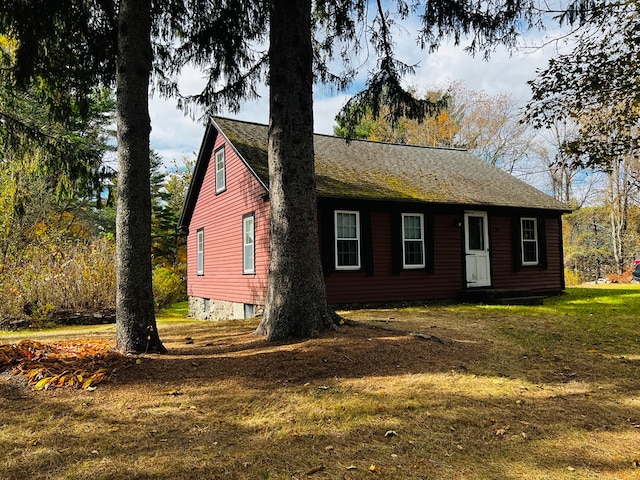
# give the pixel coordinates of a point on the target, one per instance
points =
(501, 297)
(529, 300)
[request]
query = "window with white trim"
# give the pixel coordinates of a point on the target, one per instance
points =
(248, 244)
(347, 240)
(200, 251)
(413, 240)
(529, 238)
(221, 179)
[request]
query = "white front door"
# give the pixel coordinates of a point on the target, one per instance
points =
(476, 242)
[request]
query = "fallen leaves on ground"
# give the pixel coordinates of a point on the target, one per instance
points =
(71, 364)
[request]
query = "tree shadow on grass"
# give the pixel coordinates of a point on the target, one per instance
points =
(227, 404)
(357, 350)
(365, 349)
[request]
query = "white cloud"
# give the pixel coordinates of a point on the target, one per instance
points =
(174, 135)
(325, 110)
(502, 73)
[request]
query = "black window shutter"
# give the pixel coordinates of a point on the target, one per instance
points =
(542, 242)
(328, 244)
(366, 237)
(396, 243)
(516, 233)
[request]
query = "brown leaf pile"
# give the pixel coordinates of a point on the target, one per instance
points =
(70, 364)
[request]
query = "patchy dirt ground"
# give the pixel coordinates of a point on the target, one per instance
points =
(357, 350)
(210, 351)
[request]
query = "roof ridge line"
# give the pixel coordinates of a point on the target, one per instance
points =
(315, 134)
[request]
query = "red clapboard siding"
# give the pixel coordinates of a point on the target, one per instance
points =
(534, 278)
(220, 215)
(384, 286)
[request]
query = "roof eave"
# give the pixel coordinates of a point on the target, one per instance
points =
(208, 141)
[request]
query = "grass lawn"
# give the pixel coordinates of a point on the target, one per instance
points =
(436, 392)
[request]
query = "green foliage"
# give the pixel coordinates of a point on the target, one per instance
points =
(169, 285)
(220, 37)
(384, 92)
(168, 193)
(63, 51)
(595, 84)
(69, 152)
(437, 128)
(587, 250)
(41, 315)
(223, 42)
(67, 49)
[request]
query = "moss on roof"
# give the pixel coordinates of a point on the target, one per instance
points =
(381, 171)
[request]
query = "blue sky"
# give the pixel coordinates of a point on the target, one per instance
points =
(175, 136)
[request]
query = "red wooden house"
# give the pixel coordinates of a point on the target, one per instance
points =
(397, 223)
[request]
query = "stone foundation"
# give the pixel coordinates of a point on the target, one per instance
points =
(210, 309)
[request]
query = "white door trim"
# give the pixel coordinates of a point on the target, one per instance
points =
(476, 249)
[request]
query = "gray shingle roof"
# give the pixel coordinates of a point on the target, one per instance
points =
(382, 171)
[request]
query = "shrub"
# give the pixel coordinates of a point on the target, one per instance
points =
(169, 286)
(48, 277)
(571, 277)
(624, 277)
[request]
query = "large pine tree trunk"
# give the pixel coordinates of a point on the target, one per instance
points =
(136, 330)
(296, 304)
